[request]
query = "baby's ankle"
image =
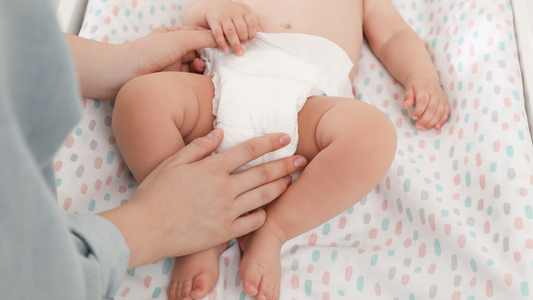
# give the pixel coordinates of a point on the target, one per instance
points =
(271, 227)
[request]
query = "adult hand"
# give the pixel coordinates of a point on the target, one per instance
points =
(190, 203)
(104, 68)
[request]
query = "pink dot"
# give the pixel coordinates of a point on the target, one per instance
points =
(523, 192)
(407, 242)
(439, 199)
(459, 223)
(457, 179)
(456, 29)
(147, 281)
(432, 158)
(67, 203)
(120, 169)
(411, 160)
(518, 224)
(451, 86)
(450, 69)
(432, 268)
(97, 184)
(116, 9)
(384, 205)
(134, 3)
(470, 86)
(460, 133)
(107, 21)
(69, 142)
(484, 249)
(496, 146)
(373, 233)
(509, 279)
(508, 22)
(421, 144)
(516, 118)
(486, 227)
(507, 102)
(511, 79)
(405, 279)
(387, 184)
(325, 296)
(98, 162)
(461, 240)
(399, 123)
(482, 182)
(361, 251)
(84, 188)
(490, 41)
(505, 126)
(112, 140)
(105, 39)
(422, 250)
(474, 69)
(407, 134)
(398, 230)
(325, 278)
(333, 244)
(450, 131)
(476, 103)
(225, 281)
(473, 5)
(348, 273)
(213, 295)
(394, 81)
(529, 243)
(385, 103)
(527, 158)
(372, 66)
(122, 189)
(458, 50)
(501, 8)
(295, 281)
(58, 165)
(498, 26)
(342, 222)
(489, 291)
(388, 242)
(480, 205)
(174, 6)
(476, 126)
(456, 295)
(312, 239)
(125, 292)
(108, 180)
(310, 269)
(226, 261)
(447, 229)
(465, 160)
(378, 289)
(395, 96)
(457, 119)
(470, 25)
(432, 222)
(150, 27)
(438, 131)
(473, 281)
(83, 103)
(376, 248)
(517, 256)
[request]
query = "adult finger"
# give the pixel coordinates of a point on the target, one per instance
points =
(422, 101)
(260, 196)
(193, 39)
(177, 28)
(188, 57)
(218, 35)
(247, 223)
(231, 35)
(259, 175)
(241, 29)
(409, 98)
(251, 24)
(199, 148)
(241, 154)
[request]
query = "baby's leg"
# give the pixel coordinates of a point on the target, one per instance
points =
(154, 117)
(350, 146)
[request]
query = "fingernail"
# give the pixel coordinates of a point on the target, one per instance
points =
(284, 139)
(420, 128)
(437, 126)
(214, 134)
(415, 118)
(300, 163)
(240, 52)
(288, 179)
(225, 49)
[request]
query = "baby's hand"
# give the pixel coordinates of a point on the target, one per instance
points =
(233, 20)
(432, 107)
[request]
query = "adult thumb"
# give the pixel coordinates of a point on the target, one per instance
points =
(199, 148)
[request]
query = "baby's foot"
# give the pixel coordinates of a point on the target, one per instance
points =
(261, 265)
(195, 274)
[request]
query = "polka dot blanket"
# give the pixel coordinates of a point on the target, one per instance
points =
(453, 217)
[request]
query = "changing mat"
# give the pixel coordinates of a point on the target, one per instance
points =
(453, 217)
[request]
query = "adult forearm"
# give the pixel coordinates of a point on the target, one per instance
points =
(100, 67)
(404, 55)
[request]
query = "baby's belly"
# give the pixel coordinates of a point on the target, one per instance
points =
(339, 21)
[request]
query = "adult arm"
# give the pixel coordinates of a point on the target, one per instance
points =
(104, 68)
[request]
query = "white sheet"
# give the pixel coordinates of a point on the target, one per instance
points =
(453, 217)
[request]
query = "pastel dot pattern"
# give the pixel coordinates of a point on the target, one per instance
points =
(454, 212)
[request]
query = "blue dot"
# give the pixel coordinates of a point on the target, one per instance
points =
(78, 131)
(96, 103)
(467, 117)
(438, 187)
(476, 34)
(360, 283)
(242, 296)
(502, 46)
(467, 179)
(341, 293)
(131, 272)
(98, 12)
(166, 266)
(461, 40)
(325, 229)
(420, 16)
(315, 256)
(445, 19)
(490, 262)
(434, 42)
(437, 247)
(156, 293)
(524, 288)
(460, 86)
(308, 286)
(411, 296)
(510, 151)
(468, 202)
(391, 253)
(415, 235)
(110, 157)
(468, 147)
(471, 298)
(472, 234)
(114, 32)
(58, 182)
(480, 90)
(493, 167)
(131, 185)
(481, 138)
(486, 57)
(350, 210)
(417, 269)
(415, 132)
(520, 135)
(516, 95)
(511, 36)
(128, 13)
(162, 8)
(381, 74)
(529, 211)
(409, 216)
(107, 196)
(406, 185)
(92, 205)
(152, 10)
(367, 81)
(436, 144)
(140, 15)
(334, 255)
(462, 16)
(460, 66)
(473, 265)
(489, 210)
(374, 260)
(385, 224)
(445, 213)
(179, 7)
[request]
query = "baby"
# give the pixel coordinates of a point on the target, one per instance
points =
(297, 58)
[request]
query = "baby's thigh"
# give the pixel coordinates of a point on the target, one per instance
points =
(184, 100)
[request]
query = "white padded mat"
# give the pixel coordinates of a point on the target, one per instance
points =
(453, 217)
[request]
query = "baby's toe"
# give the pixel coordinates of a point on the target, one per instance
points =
(202, 284)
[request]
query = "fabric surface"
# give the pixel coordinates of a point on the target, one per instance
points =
(453, 217)
(263, 91)
(44, 254)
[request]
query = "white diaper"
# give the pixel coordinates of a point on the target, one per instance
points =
(263, 91)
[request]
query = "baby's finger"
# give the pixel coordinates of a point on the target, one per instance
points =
(242, 30)
(444, 117)
(197, 65)
(437, 116)
(428, 114)
(218, 35)
(422, 101)
(252, 25)
(233, 39)
(409, 98)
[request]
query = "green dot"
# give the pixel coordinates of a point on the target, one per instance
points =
(162, 8)
(520, 135)
(58, 182)
(360, 283)
(391, 253)
(524, 288)
(476, 34)
(131, 185)
(112, 104)
(516, 95)
(510, 151)
(511, 36)
(502, 46)
(179, 7)
(350, 210)
(107, 196)
(468, 147)
(128, 13)
(367, 81)
(110, 157)
(417, 269)
(341, 293)
(486, 57)
(529, 211)
(462, 16)
(417, 169)
(140, 15)
(315, 256)
(460, 86)
(415, 235)
(434, 42)
(92, 205)
(445, 19)
(98, 12)
(152, 10)
(114, 32)
(325, 229)
(409, 216)
(411, 296)
(489, 210)
(334, 255)
(444, 213)
(78, 131)
(480, 90)
(490, 262)
(437, 247)
(308, 287)
(156, 293)
(96, 103)
(242, 296)
(374, 260)
(381, 74)
(415, 132)
(493, 167)
(385, 224)
(472, 234)
(471, 298)
(481, 138)
(406, 185)
(436, 144)
(438, 187)
(467, 117)
(468, 202)
(473, 265)
(131, 272)
(467, 179)
(166, 266)
(460, 65)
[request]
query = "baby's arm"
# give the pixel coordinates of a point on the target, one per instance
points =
(227, 18)
(405, 56)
